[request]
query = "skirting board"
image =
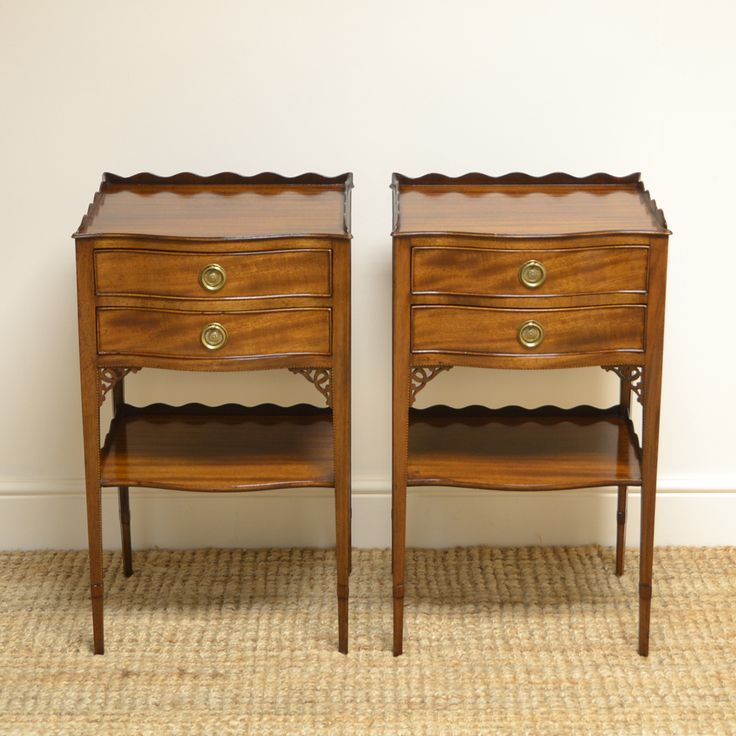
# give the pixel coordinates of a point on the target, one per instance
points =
(51, 515)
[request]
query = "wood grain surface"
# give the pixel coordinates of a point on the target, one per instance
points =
(517, 449)
(224, 206)
(495, 271)
(225, 448)
(522, 206)
(249, 275)
(481, 331)
(253, 334)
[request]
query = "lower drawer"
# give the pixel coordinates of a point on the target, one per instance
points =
(482, 331)
(172, 334)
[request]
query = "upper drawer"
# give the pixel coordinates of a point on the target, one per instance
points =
(548, 272)
(484, 331)
(167, 333)
(252, 275)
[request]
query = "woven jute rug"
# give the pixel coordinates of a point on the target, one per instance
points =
(499, 641)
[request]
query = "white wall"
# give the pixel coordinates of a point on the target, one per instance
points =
(371, 87)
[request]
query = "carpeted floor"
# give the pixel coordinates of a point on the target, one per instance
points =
(499, 641)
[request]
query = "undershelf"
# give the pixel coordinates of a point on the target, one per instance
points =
(522, 449)
(224, 448)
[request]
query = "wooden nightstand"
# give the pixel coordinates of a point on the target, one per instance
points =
(526, 272)
(218, 273)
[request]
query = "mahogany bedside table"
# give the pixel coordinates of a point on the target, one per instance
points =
(525, 272)
(218, 273)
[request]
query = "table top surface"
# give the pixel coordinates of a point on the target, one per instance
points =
(518, 205)
(220, 207)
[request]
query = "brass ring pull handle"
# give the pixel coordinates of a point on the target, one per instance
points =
(212, 277)
(214, 336)
(532, 274)
(531, 334)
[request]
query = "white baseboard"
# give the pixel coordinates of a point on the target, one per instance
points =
(50, 514)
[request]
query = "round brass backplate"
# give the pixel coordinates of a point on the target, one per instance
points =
(532, 274)
(212, 277)
(531, 334)
(214, 336)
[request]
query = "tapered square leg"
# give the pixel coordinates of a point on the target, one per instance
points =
(350, 533)
(97, 591)
(652, 387)
(648, 496)
(91, 399)
(398, 642)
(645, 613)
(340, 398)
(124, 506)
(621, 530)
(96, 580)
(401, 392)
(342, 519)
(399, 565)
(398, 646)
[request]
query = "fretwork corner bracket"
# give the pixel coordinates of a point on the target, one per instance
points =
(421, 376)
(109, 377)
(320, 377)
(633, 375)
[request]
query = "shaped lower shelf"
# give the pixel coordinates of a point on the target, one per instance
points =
(223, 448)
(522, 449)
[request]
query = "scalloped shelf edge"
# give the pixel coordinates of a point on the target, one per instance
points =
(651, 204)
(230, 409)
(548, 410)
(229, 177)
(515, 177)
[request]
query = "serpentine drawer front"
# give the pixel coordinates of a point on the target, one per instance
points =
(483, 331)
(219, 273)
(530, 273)
(228, 335)
(540, 272)
(254, 275)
